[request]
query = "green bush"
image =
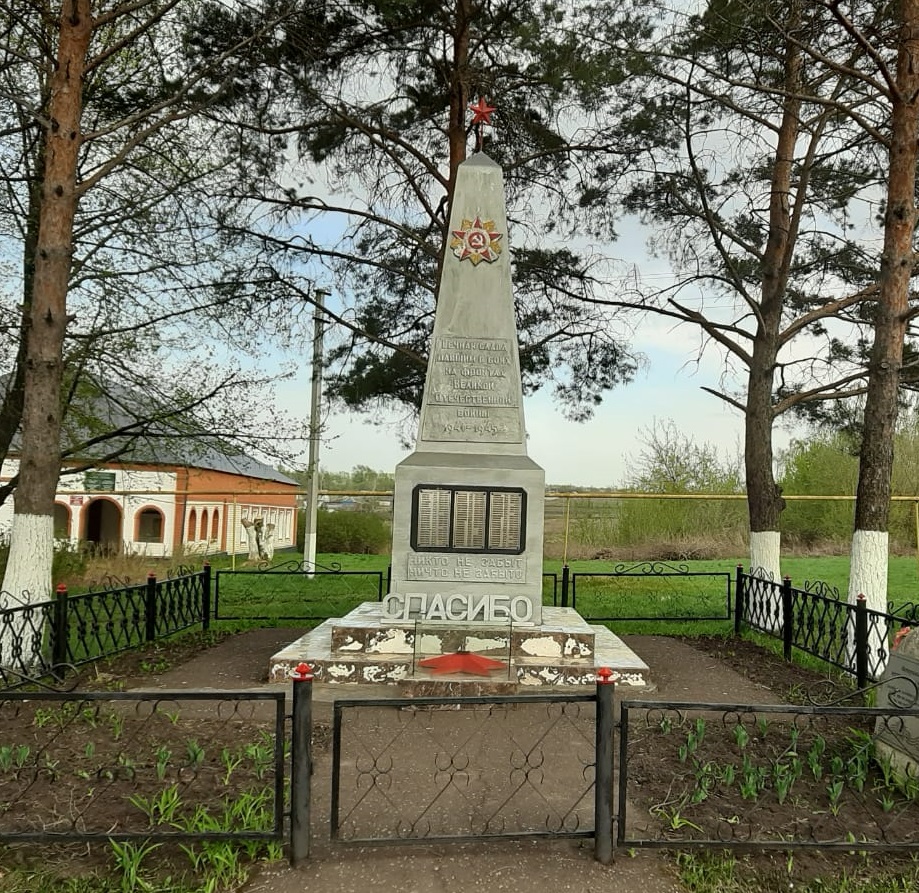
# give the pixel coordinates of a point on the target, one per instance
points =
(683, 528)
(820, 466)
(348, 531)
(671, 464)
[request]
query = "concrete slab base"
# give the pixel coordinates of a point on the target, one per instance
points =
(362, 649)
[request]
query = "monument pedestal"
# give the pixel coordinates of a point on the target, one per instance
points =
(464, 612)
(363, 647)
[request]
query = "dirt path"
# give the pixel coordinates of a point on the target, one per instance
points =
(680, 672)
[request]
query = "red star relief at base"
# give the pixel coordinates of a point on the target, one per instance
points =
(465, 662)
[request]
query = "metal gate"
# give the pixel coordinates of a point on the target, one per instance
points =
(460, 769)
(467, 769)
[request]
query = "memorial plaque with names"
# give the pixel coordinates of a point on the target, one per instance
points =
(899, 690)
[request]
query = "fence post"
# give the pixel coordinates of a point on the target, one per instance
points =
(738, 599)
(59, 642)
(565, 586)
(861, 641)
(206, 596)
(150, 608)
(388, 581)
(788, 631)
(603, 775)
(301, 764)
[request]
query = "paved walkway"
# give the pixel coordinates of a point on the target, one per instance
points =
(679, 672)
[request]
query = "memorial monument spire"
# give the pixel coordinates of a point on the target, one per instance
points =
(468, 504)
(465, 596)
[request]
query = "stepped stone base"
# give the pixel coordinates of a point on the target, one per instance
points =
(362, 648)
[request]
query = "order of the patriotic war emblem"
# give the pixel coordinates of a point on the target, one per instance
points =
(477, 241)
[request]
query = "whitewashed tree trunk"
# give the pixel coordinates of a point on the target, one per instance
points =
(267, 550)
(27, 580)
(765, 554)
(891, 315)
(309, 552)
(868, 561)
(260, 538)
(28, 572)
(765, 563)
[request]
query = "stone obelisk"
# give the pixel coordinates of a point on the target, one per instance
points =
(468, 502)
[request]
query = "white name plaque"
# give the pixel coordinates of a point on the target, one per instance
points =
(457, 606)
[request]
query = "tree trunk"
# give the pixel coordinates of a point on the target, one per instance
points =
(764, 499)
(456, 123)
(868, 574)
(11, 405)
(28, 571)
(459, 92)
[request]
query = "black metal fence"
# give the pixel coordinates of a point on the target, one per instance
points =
(439, 769)
(40, 638)
(185, 766)
(166, 765)
(293, 590)
(308, 592)
(649, 590)
(461, 769)
(91, 766)
(689, 775)
(819, 622)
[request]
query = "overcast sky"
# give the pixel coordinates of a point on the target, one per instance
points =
(595, 453)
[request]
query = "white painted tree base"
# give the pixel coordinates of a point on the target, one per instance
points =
(309, 554)
(765, 563)
(251, 538)
(27, 580)
(260, 537)
(868, 576)
(765, 554)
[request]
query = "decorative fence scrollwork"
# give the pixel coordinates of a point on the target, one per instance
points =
(45, 637)
(818, 621)
(463, 769)
(300, 591)
(650, 591)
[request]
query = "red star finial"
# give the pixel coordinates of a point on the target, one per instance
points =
(481, 111)
(481, 116)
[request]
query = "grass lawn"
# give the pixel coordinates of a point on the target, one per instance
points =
(692, 595)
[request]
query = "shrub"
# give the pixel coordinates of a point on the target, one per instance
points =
(671, 464)
(690, 527)
(348, 531)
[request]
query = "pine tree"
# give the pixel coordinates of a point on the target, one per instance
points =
(379, 124)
